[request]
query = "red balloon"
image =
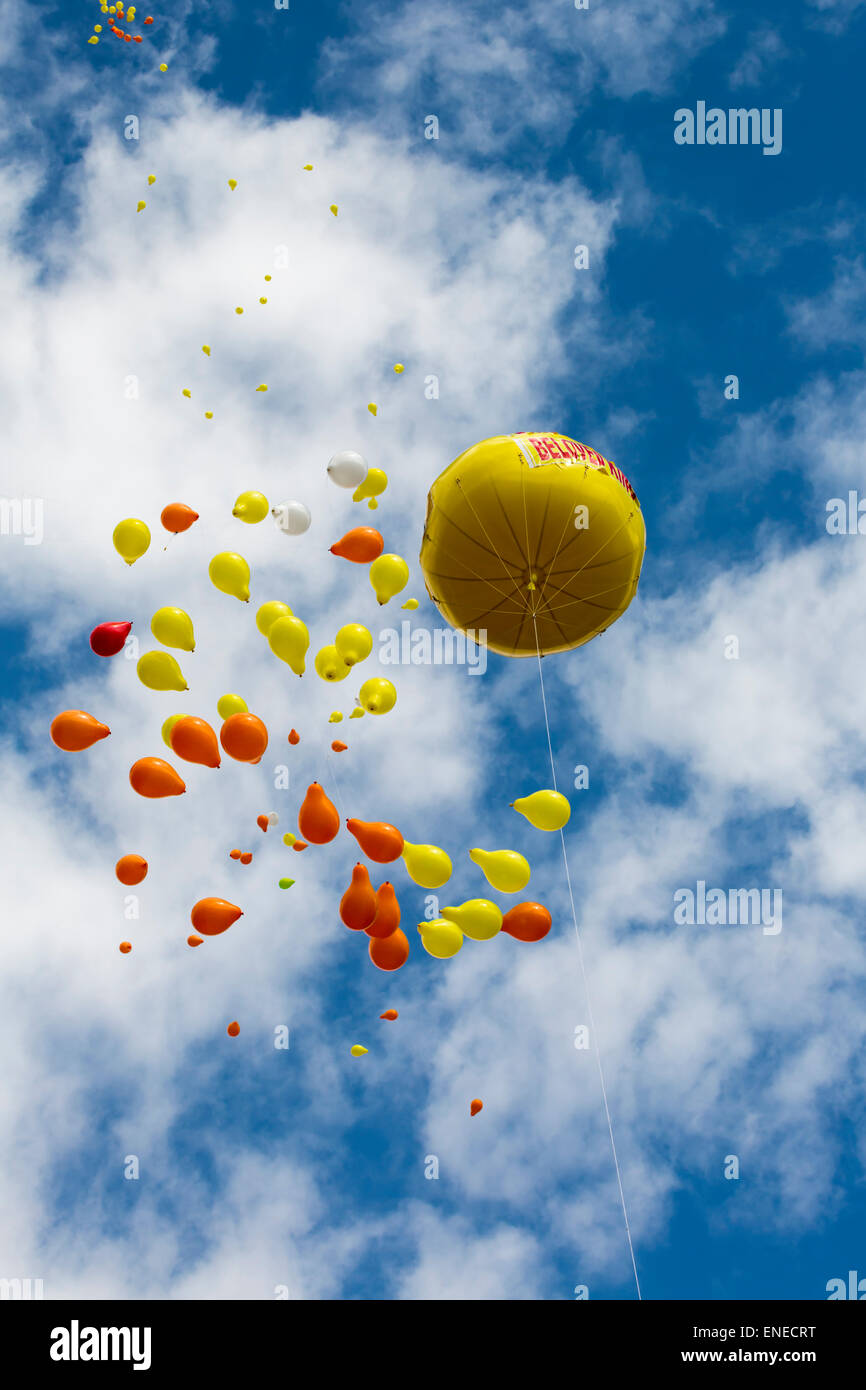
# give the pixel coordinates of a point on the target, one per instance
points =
(108, 638)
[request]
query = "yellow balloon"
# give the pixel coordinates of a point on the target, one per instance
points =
(131, 539)
(353, 643)
(251, 507)
(330, 665)
(336, 717)
(289, 640)
(173, 628)
(532, 538)
(268, 614)
(388, 575)
(230, 573)
(479, 919)
(160, 671)
(289, 838)
(504, 869)
(358, 1050)
(410, 603)
(377, 695)
(374, 485)
(227, 705)
(440, 938)
(167, 728)
(546, 810)
(357, 714)
(427, 865)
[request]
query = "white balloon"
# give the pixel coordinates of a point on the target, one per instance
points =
(292, 518)
(347, 469)
(273, 818)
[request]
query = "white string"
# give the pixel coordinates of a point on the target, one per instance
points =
(585, 980)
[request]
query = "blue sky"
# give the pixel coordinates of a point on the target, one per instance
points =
(305, 1168)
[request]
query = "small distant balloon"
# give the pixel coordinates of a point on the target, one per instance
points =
(233, 1029)
(358, 1051)
(475, 1106)
(390, 1014)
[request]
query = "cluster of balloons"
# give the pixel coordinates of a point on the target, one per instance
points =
(131, 537)
(115, 17)
(349, 469)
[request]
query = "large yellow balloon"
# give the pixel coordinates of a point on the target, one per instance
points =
(479, 919)
(427, 865)
(377, 695)
(289, 640)
(160, 671)
(173, 628)
(330, 665)
(440, 938)
(268, 614)
(373, 485)
(388, 575)
(546, 810)
(251, 507)
(167, 728)
(354, 643)
(227, 705)
(230, 573)
(131, 539)
(505, 869)
(534, 539)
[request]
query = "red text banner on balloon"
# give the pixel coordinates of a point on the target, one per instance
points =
(549, 448)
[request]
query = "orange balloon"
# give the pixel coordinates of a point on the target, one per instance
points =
(75, 729)
(131, 869)
(358, 903)
(390, 1014)
(125, 947)
(294, 736)
(262, 823)
(244, 737)
(233, 1029)
(235, 853)
(380, 842)
(339, 747)
(246, 858)
(391, 953)
(212, 916)
(527, 922)
(475, 1107)
(299, 845)
(153, 777)
(194, 941)
(194, 740)
(360, 546)
(318, 818)
(387, 918)
(177, 517)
